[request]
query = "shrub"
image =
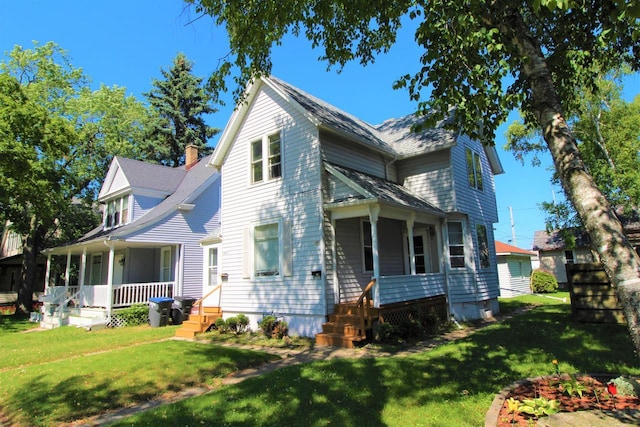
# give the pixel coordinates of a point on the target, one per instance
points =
(272, 327)
(137, 314)
(387, 333)
(543, 282)
(221, 326)
(267, 324)
(243, 323)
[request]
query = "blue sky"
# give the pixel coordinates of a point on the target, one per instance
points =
(125, 43)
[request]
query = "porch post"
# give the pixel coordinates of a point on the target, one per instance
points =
(178, 285)
(412, 250)
(334, 263)
(110, 280)
(374, 212)
(47, 273)
(67, 272)
(83, 268)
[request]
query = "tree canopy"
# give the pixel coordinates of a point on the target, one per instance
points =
(58, 137)
(487, 58)
(179, 104)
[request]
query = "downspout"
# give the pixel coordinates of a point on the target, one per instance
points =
(179, 266)
(47, 274)
(334, 262)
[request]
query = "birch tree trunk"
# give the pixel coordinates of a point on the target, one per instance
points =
(605, 230)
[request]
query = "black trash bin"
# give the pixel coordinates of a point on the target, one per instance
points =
(159, 311)
(181, 308)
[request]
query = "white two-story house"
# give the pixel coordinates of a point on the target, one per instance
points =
(317, 204)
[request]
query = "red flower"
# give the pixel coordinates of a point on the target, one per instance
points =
(612, 389)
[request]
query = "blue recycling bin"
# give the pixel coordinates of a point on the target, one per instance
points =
(159, 311)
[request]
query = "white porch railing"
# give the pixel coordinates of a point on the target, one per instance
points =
(410, 287)
(139, 293)
(123, 295)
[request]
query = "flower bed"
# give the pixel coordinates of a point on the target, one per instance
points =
(561, 393)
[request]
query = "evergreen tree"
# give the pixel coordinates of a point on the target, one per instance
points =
(179, 104)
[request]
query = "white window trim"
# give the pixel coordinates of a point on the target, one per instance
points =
(465, 245)
(476, 173)
(265, 158)
(284, 251)
(207, 266)
(162, 266)
(120, 200)
(362, 252)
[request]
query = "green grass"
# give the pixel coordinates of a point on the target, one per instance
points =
(10, 324)
(66, 374)
(451, 385)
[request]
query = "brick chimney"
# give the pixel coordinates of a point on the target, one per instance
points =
(191, 156)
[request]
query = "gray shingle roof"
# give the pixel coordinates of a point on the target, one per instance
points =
(394, 136)
(387, 191)
(190, 181)
(543, 241)
(151, 176)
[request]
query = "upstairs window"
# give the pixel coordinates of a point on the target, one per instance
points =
(116, 212)
(456, 244)
(269, 166)
(569, 258)
(474, 169)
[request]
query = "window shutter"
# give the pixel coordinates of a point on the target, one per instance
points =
(287, 261)
(246, 253)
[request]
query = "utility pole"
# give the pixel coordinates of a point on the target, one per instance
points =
(513, 228)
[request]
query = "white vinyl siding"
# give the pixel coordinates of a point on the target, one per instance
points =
(294, 202)
(420, 173)
(352, 156)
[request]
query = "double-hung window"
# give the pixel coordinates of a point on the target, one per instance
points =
(456, 244)
(474, 169)
(266, 250)
(483, 246)
(266, 158)
(116, 212)
(367, 247)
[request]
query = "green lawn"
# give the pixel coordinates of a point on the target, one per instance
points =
(451, 385)
(52, 377)
(66, 374)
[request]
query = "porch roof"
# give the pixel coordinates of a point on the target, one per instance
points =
(373, 189)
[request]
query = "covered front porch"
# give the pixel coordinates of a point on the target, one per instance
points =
(111, 274)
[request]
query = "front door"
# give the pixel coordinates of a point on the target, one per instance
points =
(118, 269)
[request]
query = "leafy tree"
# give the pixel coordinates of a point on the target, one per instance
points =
(486, 57)
(607, 131)
(56, 142)
(179, 104)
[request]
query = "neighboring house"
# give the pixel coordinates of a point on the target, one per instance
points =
(149, 242)
(11, 266)
(554, 255)
(514, 270)
(316, 203)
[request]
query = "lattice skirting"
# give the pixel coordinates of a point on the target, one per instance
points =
(118, 321)
(426, 311)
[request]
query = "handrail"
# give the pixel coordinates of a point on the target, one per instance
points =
(199, 302)
(366, 294)
(64, 304)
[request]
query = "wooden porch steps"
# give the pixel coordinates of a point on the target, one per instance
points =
(344, 328)
(199, 322)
